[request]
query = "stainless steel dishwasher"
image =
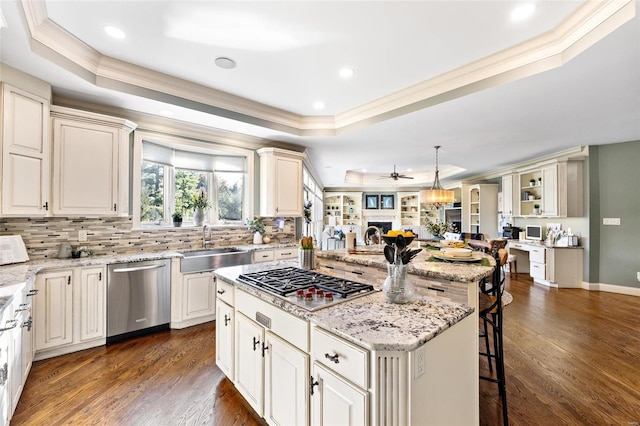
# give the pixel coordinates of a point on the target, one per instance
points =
(138, 298)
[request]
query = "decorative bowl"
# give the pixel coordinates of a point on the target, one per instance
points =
(392, 239)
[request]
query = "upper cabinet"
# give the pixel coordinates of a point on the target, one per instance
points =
(480, 209)
(90, 163)
(553, 190)
(510, 186)
(25, 154)
(280, 182)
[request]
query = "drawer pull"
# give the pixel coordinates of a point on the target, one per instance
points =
(33, 292)
(436, 289)
(333, 358)
(256, 342)
(220, 291)
(9, 325)
(313, 384)
(286, 254)
(357, 272)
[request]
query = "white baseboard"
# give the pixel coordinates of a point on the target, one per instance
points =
(610, 288)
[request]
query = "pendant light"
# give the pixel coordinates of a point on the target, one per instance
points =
(437, 196)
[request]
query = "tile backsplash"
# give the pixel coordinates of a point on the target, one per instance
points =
(110, 236)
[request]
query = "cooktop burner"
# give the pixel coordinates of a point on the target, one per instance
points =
(305, 288)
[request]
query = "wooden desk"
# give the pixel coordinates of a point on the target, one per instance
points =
(549, 265)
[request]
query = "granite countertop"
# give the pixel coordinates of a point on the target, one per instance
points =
(421, 265)
(367, 321)
(26, 272)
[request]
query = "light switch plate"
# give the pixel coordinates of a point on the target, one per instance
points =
(611, 221)
(83, 235)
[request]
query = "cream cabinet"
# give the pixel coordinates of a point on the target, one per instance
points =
(286, 373)
(480, 209)
(249, 373)
(335, 401)
(26, 154)
(263, 255)
(69, 311)
(552, 190)
(22, 343)
(53, 314)
(409, 203)
(5, 367)
(280, 182)
(225, 323)
(90, 163)
(510, 187)
(198, 295)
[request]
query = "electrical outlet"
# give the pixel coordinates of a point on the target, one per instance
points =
(611, 221)
(83, 235)
(418, 368)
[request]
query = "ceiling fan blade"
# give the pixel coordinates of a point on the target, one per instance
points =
(405, 177)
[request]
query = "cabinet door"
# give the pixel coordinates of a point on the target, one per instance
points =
(507, 195)
(549, 191)
(288, 187)
(225, 338)
(5, 343)
(198, 295)
(249, 362)
(25, 153)
(85, 168)
(92, 303)
(286, 396)
(335, 401)
(53, 310)
(15, 363)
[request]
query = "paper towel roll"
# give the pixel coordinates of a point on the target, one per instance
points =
(351, 240)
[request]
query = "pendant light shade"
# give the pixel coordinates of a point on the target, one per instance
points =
(437, 195)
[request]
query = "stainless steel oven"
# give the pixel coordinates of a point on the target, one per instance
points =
(138, 298)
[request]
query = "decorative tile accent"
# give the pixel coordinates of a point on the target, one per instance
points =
(114, 235)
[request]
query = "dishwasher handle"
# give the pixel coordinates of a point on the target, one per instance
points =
(138, 268)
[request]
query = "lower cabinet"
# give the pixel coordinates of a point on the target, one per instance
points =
(335, 401)
(225, 323)
(193, 299)
(249, 361)
(70, 311)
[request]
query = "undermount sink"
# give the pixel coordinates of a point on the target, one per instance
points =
(211, 259)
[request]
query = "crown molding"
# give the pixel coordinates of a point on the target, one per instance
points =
(587, 25)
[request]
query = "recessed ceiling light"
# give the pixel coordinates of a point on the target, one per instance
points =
(242, 130)
(318, 105)
(346, 72)
(523, 11)
(226, 63)
(166, 112)
(114, 32)
(364, 170)
(409, 170)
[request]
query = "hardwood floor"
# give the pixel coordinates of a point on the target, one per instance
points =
(572, 358)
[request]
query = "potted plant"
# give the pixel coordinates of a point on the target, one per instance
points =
(177, 218)
(257, 227)
(532, 182)
(200, 204)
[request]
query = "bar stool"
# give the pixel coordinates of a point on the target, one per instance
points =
(490, 308)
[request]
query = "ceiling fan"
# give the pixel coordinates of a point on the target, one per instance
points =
(395, 175)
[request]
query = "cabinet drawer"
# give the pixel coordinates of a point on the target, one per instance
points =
(342, 357)
(537, 270)
(224, 291)
(536, 254)
(286, 253)
(263, 256)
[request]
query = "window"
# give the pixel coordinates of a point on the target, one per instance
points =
(312, 193)
(171, 178)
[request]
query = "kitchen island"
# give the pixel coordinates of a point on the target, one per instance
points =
(363, 361)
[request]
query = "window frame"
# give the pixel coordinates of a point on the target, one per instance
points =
(185, 145)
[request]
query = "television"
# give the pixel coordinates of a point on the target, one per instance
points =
(533, 232)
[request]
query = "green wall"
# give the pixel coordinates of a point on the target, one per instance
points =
(614, 194)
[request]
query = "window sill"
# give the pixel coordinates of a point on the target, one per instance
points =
(189, 226)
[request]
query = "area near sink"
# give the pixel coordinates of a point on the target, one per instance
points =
(211, 259)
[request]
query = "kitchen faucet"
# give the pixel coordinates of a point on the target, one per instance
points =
(206, 232)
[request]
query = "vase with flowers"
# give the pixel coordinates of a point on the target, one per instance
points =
(201, 204)
(437, 228)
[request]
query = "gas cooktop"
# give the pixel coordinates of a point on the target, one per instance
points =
(307, 289)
